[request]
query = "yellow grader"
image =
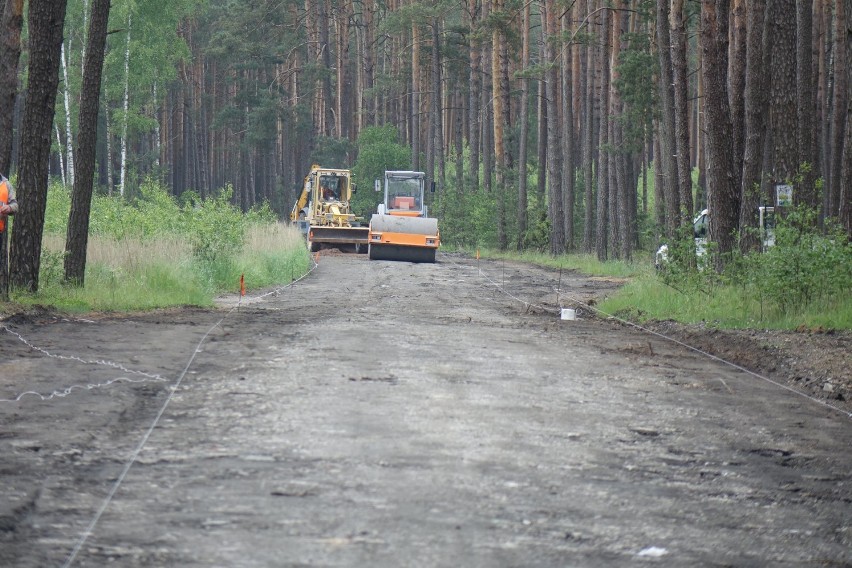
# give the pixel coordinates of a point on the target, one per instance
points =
(323, 212)
(402, 228)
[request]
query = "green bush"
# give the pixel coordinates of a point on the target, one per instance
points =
(155, 251)
(806, 266)
(804, 279)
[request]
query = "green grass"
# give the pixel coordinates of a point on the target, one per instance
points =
(648, 298)
(137, 274)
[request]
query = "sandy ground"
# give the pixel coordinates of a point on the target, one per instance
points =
(392, 414)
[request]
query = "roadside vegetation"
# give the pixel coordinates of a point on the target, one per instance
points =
(803, 282)
(155, 252)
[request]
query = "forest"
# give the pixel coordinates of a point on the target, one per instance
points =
(597, 126)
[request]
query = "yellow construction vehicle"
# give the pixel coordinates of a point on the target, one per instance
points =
(402, 228)
(323, 212)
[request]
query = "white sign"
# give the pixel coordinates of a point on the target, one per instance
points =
(784, 195)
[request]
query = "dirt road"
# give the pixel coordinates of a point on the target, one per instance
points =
(391, 414)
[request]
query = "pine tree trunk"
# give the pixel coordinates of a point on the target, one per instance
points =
(722, 195)
(839, 110)
(568, 134)
(475, 95)
(783, 92)
(554, 127)
(499, 122)
(541, 84)
(436, 128)
(805, 102)
(626, 186)
(755, 120)
(670, 191)
(45, 24)
(602, 223)
(589, 147)
(10, 39)
(524, 127)
(736, 81)
(369, 107)
(681, 109)
(415, 97)
(81, 199)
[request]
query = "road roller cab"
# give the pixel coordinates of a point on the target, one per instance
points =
(402, 228)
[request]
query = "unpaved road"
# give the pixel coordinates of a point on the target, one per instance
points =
(389, 414)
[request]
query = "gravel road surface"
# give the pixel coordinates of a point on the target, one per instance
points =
(389, 414)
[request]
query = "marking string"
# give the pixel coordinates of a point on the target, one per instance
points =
(662, 336)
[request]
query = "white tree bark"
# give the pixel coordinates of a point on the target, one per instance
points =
(123, 173)
(110, 173)
(69, 140)
(85, 35)
(61, 158)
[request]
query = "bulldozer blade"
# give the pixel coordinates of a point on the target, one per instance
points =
(339, 235)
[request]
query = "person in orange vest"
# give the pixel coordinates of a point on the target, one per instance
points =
(8, 203)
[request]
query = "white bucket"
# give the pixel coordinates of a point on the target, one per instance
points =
(569, 314)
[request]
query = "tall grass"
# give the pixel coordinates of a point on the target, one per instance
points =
(125, 274)
(803, 281)
(725, 306)
(156, 252)
(731, 301)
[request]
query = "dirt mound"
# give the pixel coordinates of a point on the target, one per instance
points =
(817, 363)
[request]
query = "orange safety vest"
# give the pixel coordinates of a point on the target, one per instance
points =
(4, 199)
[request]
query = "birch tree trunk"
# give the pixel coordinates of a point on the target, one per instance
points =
(60, 156)
(69, 139)
(126, 106)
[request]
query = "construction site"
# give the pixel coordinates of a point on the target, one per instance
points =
(380, 413)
